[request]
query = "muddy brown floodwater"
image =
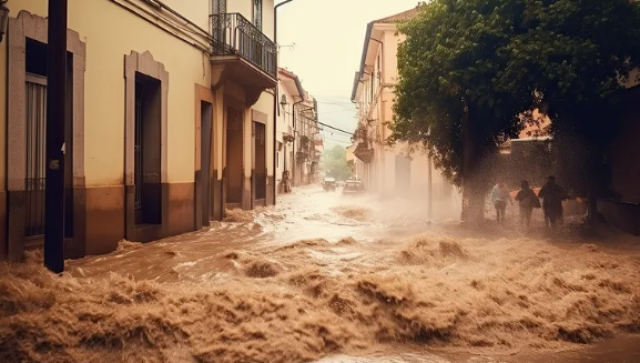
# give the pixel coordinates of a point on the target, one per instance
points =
(326, 278)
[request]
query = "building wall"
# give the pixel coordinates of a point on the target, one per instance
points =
(112, 31)
(104, 105)
(392, 39)
(376, 101)
(284, 123)
(287, 89)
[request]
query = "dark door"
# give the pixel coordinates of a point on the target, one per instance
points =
(235, 174)
(206, 110)
(138, 152)
(260, 171)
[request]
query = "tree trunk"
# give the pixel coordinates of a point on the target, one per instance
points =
(593, 185)
(592, 211)
(473, 193)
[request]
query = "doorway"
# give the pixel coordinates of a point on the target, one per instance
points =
(147, 150)
(403, 175)
(260, 162)
(206, 115)
(235, 155)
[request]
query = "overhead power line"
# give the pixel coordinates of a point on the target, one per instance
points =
(335, 128)
(338, 141)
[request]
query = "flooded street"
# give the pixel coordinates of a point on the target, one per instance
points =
(326, 278)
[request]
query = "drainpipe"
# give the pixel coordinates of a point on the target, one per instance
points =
(284, 142)
(293, 167)
(380, 90)
(275, 98)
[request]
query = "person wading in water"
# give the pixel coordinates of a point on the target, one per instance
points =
(552, 196)
(527, 200)
(500, 196)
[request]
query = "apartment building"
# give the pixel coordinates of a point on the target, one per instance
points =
(299, 145)
(289, 91)
(402, 170)
(171, 119)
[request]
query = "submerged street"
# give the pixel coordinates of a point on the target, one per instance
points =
(329, 278)
(284, 181)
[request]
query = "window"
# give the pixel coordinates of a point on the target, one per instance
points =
(257, 14)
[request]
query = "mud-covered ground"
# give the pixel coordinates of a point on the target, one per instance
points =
(323, 277)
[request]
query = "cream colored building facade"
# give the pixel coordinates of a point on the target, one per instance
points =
(387, 171)
(171, 119)
(297, 138)
(289, 91)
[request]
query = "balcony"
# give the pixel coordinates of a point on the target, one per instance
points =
(243, 53)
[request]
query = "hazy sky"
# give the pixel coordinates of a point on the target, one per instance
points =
(328, 37)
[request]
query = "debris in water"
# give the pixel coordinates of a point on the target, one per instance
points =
(262, 269)
(359, 214)
(282, 305)
(127, 245)
(239, 216)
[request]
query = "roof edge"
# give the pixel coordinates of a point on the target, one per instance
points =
(367, 39)
(295, 78)
(365, 50)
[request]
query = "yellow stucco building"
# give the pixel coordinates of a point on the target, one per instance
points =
(401, 170)
(171, 119)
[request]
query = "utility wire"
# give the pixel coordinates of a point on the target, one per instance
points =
(337, 134)
(338, 141)
(335, 128)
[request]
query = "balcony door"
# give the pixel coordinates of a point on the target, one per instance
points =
(257, 14)
(218, 15)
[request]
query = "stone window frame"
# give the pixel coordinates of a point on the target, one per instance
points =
(145, 64)
(27, 25)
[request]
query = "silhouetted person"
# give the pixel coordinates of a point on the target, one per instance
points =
(552, 196)
(527, 200)
(500, 196)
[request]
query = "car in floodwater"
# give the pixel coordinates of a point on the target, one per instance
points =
(329, 184)
(352, 187)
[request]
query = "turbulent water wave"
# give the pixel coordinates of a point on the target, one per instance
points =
(285, 304)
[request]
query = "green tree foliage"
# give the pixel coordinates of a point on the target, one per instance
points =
(502, 58)
(577, 54)
(335, 163)
(449, 65)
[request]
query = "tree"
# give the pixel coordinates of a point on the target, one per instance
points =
(476, 67)
(335, 163)
(577, 54)
(447, 97)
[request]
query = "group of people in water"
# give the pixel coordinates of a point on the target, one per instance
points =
(551, 194)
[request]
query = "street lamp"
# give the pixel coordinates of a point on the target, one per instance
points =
(283, 102)
(4, 18)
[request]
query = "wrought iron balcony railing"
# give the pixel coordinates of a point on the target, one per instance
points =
(233, 34)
